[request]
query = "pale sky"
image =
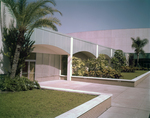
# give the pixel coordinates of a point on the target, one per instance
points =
(92, 15)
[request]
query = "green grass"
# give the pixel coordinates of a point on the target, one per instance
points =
(130, 76)
(39, 103)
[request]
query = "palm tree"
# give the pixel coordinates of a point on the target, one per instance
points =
(29, 16)
(138, 44)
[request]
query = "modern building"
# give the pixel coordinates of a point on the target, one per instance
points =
(119, 39)
(52, 48)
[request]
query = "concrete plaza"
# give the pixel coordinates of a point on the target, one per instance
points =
(127, 102)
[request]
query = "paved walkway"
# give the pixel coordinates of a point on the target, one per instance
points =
(127, 102)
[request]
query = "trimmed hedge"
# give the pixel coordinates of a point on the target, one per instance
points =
(105, 73)
(132, 69)
(141, 68)
(127, 69)
(18, 84)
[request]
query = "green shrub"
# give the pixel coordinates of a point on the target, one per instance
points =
(143, 68)
(94, 64)
(127, 69)
(118, 60)
(111, 73)
(105, 73)
(140, 68)
(99, 73)
(78, 66)
(18, 84)
(136, 68)
(37, 85)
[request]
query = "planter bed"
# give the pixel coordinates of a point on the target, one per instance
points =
(92, 108)
(111, 81)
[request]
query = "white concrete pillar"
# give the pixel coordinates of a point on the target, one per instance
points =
(69, 63)
(111, 53)
(1, 56)
(127, 59)
(96, 51)
(60, 67)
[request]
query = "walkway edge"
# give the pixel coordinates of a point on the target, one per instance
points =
(110, 81)
(92, 108)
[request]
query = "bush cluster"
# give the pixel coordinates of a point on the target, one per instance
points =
(18, 84)
(78, 66)
(118, 60)
(105, 73)
(140, 68)
(127, 69)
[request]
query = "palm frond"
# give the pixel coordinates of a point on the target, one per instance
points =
(144, 42)
(35, 6)
(39, 14)
(47, 22)
(30, 15)
(142, 52)
(21, 6)
(138, 44)
(51, 10)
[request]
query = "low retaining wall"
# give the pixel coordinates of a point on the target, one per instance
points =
(90, 109)
(140, 78)
(121, 82)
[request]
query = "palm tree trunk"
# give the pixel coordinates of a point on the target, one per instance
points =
(137, 60)
(15, 61)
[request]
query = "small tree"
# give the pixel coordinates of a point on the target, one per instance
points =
(29, 16)
(138, 45)
(118, 60)
(10, 46)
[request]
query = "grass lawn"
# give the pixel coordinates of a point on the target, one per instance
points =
(130, 76)
(39, 103)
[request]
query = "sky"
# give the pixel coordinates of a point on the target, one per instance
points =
(93, 15)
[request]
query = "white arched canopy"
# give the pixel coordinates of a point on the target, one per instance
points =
(84, 55)
(49, 49)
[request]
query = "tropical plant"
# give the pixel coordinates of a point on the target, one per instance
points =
(95, 64)
(10, 46)
(127, 69)
(27, 17)
(105, 73)
(118, 60)
(18, 84)
(78, 66)
(138, 45)
(94, 67)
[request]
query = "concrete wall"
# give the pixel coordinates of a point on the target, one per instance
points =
(47, 67)
(110, 81)
(5, 20)
(116, 39)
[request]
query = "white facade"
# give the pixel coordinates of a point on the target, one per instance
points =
(116, 39)
(50, 46)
